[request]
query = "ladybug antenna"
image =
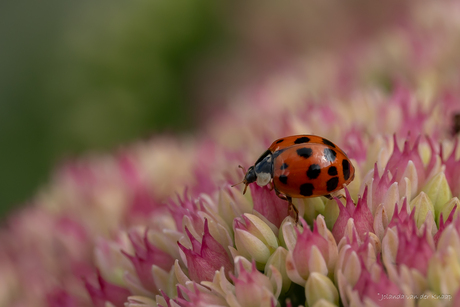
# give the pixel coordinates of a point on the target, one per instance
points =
(234, 185)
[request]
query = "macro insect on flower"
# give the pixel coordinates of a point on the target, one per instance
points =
(301, 166)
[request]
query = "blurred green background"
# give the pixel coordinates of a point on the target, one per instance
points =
(88, 75)
(79, 76)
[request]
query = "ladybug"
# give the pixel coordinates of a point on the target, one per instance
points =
(301, 166)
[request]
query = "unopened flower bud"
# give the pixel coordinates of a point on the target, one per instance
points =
(319, 287)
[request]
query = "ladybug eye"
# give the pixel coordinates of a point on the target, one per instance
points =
(250, 176)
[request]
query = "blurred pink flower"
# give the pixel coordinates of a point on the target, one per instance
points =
(146, 255)
(443, 225)
(106, 292)
(377, 287)
(196, 298)
(185, 206)
(452, 163)
(60, 297)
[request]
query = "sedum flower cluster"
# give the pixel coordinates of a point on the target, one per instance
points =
(158, 223)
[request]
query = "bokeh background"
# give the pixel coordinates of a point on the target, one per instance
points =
(82, 76)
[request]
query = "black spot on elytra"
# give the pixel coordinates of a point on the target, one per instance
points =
(306, 189)
(305, 152)
(279, 141)
(313, 171)
(332, 171)
(302, 140)
(346, 169)
(330, 154)
(332, 184)
(328, 143)
(283, 179)
(284, 166)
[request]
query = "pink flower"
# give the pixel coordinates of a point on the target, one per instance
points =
(399, 160)
(310, 254)
(253, 288)
(361, 215)
(414, 251)
(268, 204)
(402, 220)
(254, 239)
(365, 252)
(380, 186)
(205, 258)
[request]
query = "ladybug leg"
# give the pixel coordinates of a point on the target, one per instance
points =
(339, 194)
(282, 196)
(272, 186)
(293, 208)
(291, 205)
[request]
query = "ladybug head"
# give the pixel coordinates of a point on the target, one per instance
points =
(249, 177)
